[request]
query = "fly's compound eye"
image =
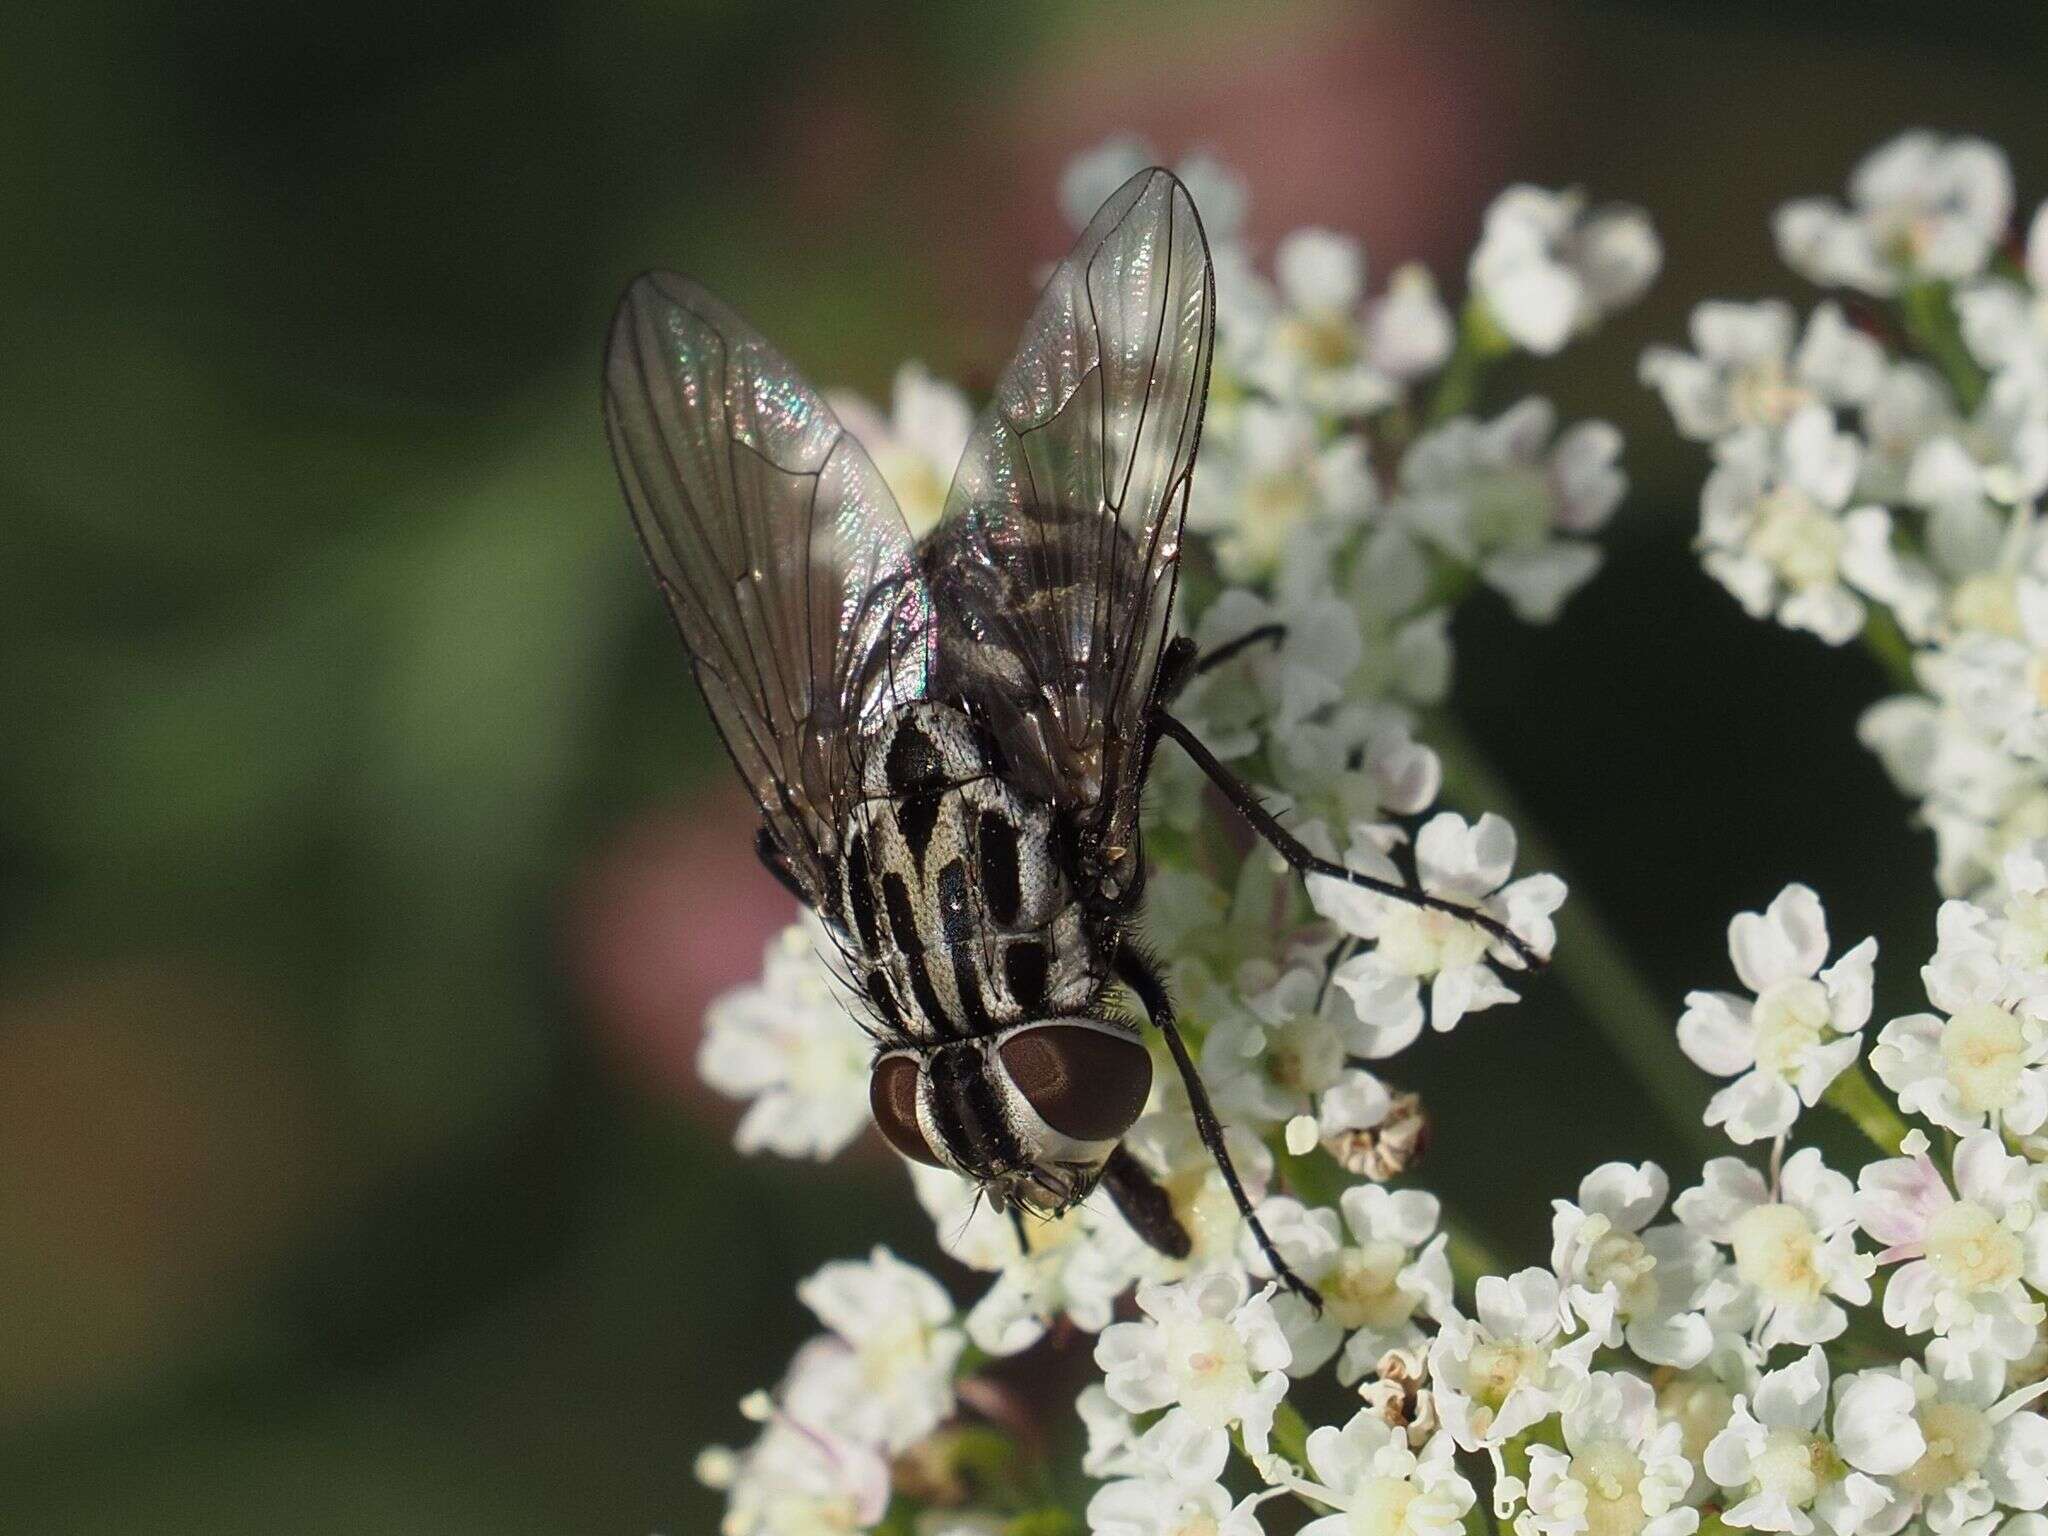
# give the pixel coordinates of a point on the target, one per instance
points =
(1086, 1082)
(892, 1096)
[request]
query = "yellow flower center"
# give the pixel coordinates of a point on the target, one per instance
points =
(1972, 1250)
(1793, 1465)
(1958, 1439)
(1363, 1290)
(1988, 602)
(1497, 1369)
(1415, 941)
(1620, 1259)
(1380, 1507)
(1797, 539)
(1764, 396)
(1790, 1017)
(1983, 1053)
(1612, 1476)
(1776, 1251)
(1700, 1406)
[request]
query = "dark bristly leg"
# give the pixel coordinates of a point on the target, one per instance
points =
(1244, 642)
(1017, 1226)
(1308, 862)
(1133, 969)
(1181, 664)
(1144, 1204)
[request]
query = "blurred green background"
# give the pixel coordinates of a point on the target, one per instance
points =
(365, 858)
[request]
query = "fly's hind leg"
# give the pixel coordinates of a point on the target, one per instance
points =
(1137, 973)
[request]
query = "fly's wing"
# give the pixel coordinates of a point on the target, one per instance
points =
(1053, 569)
(782, 556)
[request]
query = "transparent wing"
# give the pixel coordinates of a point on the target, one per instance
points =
(783, 557)
(1053, 569)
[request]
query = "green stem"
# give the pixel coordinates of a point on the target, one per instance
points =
(1856, 1096)
(1887, 643)
(1290, 1434)
(1929, 315)
(1589, 961)
(1044, 1522)
(1480, 342)
(1468, 1252)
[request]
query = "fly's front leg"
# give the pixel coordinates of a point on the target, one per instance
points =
(1137, 973)
(1147, 1207)
(1307, 861)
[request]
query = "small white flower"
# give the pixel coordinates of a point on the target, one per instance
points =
(1267, 1059)
(1547, 268)
(884, 1374)
(1775, 1457)
(1381, 1272)
(1987, 1061)
(1375, 1485)
(2005, 323)
(788, 1043)
(1963, 1256)
(1642, 1283)
(797, 1481)
(1074, 1265)
(918, 445)
(1498, 1373)
(1800, 1032)
(1416, 947)
(1498, 496)
(1920, 207)
(1949, 1448)
(1211, 1356)
(1276, 685)
(1270, 474)
(1744, 370)
(1771, 528)
(1621, 1473)
(1091, 176)
(1795, 1251)
(1161, 1507)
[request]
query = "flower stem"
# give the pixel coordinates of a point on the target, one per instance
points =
(1468, 1252)
(1589, 960)
(1290, 1434)
(1893, 652)
(1480, 342)
(1928, 314)
(1856, 1096)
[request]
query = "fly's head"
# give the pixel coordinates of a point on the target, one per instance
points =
(1031, 1114)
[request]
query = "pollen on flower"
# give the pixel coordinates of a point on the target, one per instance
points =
(1958, 1440)
(1798, 538)
(1984, 1051)
(1776, 1251)
(1363, 1290)
(1792, 1466)
(1612, 1475)
(1790, 1017)
(1972, 1249)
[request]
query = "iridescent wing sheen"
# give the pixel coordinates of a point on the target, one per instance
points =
(780, 551)
(1053, 569)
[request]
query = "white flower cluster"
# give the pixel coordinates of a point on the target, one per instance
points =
(1882, 475)
(1349, 493)
(1782, 1346)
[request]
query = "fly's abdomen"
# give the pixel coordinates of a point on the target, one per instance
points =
(955, 899)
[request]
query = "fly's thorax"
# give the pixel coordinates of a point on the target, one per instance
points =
(1033, 1112)
(957, 904)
